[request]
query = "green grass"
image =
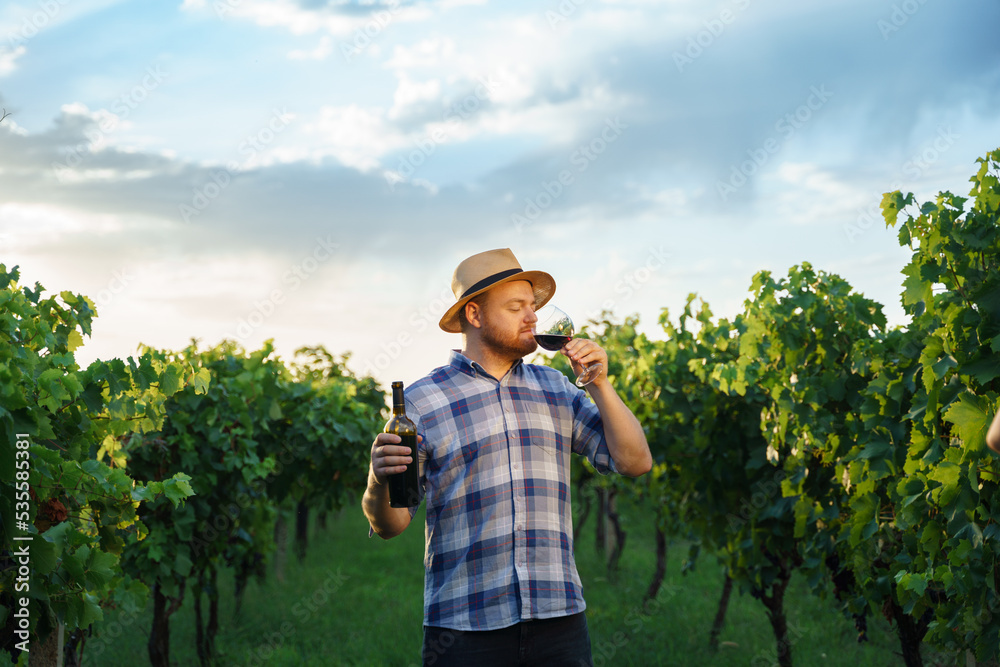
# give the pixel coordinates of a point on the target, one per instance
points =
(674, 629)
(358, 601)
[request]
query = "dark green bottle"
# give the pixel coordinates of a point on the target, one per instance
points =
(404, 487)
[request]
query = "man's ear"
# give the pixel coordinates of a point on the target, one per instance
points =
(474, 314)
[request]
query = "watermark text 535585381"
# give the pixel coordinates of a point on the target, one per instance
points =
(22, 554)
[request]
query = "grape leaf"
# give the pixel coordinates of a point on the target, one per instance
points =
(971, 416)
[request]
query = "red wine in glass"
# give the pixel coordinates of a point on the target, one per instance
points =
(552, 343)
(554, 329)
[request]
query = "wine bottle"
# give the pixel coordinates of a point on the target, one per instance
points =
(404, 487)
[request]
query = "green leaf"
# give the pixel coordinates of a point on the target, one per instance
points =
(74, 562)
(172, 379)
(183, 564)
(971, 418)
(916, 582)
(908, 486)
(944, 365)
(101, 568)
(948, 475)
(95, 469)
(877, 448)
(50, 456)
(973, 533)
(91, 611)
(177, 488)
(93, 397)
(983, 370)
(931, 537)
(892, 204)
(44, 555)
(201, 381)
(803, 510)
(57, 535)
(74, 340)
(865, 509)
(915, 291)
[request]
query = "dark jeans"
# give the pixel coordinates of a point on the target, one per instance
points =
(552, 642)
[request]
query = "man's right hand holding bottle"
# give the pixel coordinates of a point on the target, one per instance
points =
(389, 457)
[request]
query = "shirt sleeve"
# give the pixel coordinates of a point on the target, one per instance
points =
(588, 433)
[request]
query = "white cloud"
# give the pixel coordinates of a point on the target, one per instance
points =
(410, 93)
(321, 52)
(432, 53)
(806, 194)
(357, 137)
(31, 227)
(298, 20)
(8, 59)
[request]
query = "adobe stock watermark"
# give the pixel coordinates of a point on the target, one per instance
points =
(225, 520)
(697, 44)
(632, 281)
(453, 117)
(365, 35)
(20, 558)
(35, 23)
(291, 280)
(120, 109)
(418, 321)
(302, 611)
(118, 283)
(219, 179)
(763, 491)
(109, 635)
(899, 17)
(563, 11)
(915, 167)
(438, 646)
(786, 127)
(581, 159)
(608, 652)
(224, 7)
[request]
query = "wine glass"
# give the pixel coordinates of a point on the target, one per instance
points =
(553, 330)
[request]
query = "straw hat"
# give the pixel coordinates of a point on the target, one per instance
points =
(480, 272)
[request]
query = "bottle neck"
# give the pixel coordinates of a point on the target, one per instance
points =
(398, 402)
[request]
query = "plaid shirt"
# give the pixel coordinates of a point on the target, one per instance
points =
(495, 472)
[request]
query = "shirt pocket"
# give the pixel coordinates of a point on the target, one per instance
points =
(543, 427)
(477, 446)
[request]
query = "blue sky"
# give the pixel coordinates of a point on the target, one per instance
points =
(313, 171)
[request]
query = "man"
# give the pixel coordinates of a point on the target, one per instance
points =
(494, 438)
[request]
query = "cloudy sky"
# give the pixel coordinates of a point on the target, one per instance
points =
(312, 171)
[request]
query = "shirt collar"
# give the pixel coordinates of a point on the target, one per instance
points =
(462, 363)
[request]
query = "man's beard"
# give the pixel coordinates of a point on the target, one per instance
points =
(510, 346)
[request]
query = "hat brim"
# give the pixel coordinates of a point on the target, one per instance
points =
(542, 284)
